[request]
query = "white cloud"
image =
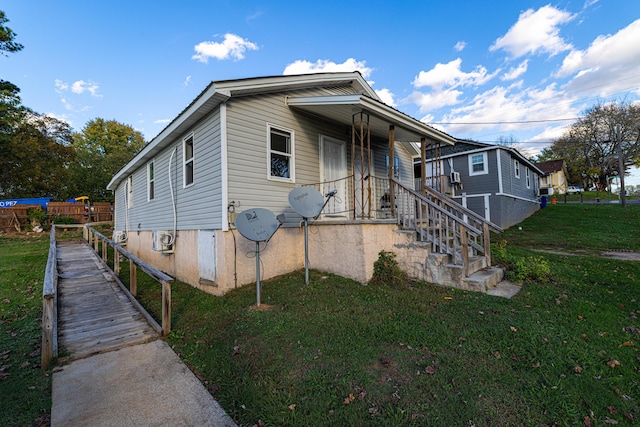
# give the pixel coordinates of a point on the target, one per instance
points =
(386, 96)
(608, 66)
(78, 87)
(535, 32)
(187, 81)
(433, 101)
(459, 47)
(516, 72)
(450, 75)
(232, 47)
(325, 66)
(162, 121)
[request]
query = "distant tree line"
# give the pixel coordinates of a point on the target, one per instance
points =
(590, 145)
(41, 156)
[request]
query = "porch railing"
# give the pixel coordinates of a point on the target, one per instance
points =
(449, 227)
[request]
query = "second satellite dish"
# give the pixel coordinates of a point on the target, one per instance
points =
(257, 224)
(306, 201)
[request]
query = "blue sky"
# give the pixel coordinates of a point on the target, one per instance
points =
(480, 70)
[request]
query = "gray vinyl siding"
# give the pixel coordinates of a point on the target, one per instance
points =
(198, 206)
(476, 184)
(247, 120)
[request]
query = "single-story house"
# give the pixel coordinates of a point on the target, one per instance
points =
(495, 181)
(554, 180)
(246, 143)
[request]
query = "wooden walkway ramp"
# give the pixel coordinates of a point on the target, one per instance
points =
(94, 313)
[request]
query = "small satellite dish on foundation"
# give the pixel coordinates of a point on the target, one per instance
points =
(306, 201)
(258, 225)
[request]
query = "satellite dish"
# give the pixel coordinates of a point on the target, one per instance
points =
(306, 201)
(257, 225)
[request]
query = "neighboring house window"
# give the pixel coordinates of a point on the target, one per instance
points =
(281, 158)
(151, 180)
(478, 164)
(187, 145)
(528, 177)
(129, 191)
(396, 166)
(516, 165)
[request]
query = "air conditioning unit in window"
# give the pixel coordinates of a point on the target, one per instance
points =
(120, 237)
(163, 241)
(455, 177)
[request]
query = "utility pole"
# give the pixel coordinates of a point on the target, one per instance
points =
(623, 196)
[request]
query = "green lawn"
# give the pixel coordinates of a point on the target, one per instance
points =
(564, 351)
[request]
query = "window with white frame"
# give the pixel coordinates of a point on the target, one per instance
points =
(151, 177)
(396, 166)
(281, 154)
(187, 156)
(528, 177)
(478, 164)
(129, 192)
(516, 167)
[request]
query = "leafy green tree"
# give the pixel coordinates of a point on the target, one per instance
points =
(589, 145)
(7, 36)
(38, 155)
(103, 147)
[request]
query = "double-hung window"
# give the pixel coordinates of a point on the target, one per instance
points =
(396, 166)
(478, 164)
(151, 180)
(516, 167)
(528, 177)
(281, 154)
(187, 160)
(129, 190)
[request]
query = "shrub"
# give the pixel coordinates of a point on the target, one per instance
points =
(386, 271)
(64, 220)
(519, 269)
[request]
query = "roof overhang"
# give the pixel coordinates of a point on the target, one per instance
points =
(341, 108)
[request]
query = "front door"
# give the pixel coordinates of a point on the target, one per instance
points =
(333, 170)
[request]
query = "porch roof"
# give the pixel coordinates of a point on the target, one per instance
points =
(340, 108)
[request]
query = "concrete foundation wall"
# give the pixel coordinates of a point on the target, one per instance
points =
(348, 249)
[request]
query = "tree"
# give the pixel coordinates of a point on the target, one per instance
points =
(38, 155)
(589, 146)
(7, 36)
(103, 147)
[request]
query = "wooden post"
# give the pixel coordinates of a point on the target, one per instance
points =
(392, 193)
(423, 165)
(48, 320)
(96, 241)
(133, 273)
(487, 243)
(465, 250)
(104, 251)
(116, 261)
(166, 308)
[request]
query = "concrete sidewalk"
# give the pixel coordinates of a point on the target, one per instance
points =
(142, 385)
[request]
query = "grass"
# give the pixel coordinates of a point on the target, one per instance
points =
(562, 352)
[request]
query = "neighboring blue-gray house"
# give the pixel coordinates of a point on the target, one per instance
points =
(495, 181)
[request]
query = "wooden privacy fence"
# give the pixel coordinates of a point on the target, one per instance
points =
(71, 210)
(15, 217)
(100, 245)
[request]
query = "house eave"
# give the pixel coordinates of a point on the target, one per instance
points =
(340, 108)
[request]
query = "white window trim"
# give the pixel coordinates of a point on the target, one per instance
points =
(151, 181)
(485, 170)
(516, 167)
(527, 174)
(185, 161)
(292, 155)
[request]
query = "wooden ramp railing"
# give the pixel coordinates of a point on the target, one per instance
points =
(86, 311)
(449, 227)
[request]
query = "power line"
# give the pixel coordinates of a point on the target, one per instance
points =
(505, 123)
